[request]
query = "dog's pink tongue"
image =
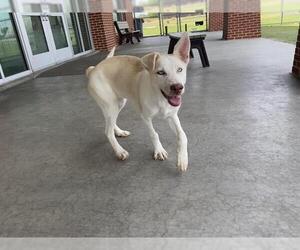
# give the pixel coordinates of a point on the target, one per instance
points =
(174, 100)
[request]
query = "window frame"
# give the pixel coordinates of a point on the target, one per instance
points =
(4, 79)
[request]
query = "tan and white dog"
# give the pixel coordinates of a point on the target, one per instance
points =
(154, 83)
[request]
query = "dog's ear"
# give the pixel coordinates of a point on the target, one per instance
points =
(150, 61)
(182, 48)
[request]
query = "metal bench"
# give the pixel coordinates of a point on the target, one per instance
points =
(196, 39)
(124, 32)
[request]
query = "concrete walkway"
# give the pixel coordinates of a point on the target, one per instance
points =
(59, 177)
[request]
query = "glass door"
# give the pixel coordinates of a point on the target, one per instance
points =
(35, 29)
(83, 24)
(62, 47)
(45, 38)
(74, 33)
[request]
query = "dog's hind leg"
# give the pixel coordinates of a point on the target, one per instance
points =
(159, 152)
(119, 132)
(111, 115)
(109, 104)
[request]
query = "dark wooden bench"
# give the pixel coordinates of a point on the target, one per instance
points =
(124, 32)
(197, 42)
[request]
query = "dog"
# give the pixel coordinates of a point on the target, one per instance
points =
(154, 83)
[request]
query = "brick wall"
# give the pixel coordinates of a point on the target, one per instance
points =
(242, 19)
(215, 21)
(215, 15)
(296, 65)
(241, 25)
(103, 30)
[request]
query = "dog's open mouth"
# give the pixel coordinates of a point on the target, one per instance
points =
(173, 100)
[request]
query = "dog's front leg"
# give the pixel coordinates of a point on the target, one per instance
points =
(182, 157)
(159, 152)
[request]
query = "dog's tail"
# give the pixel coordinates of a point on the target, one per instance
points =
(89, 70)
(112, 52)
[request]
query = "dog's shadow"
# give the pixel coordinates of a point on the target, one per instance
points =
(98, 155)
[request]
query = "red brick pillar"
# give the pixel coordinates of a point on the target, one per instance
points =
(296, 65)
(215, 15)
(103, 30)
(241, 19)
(129, 19)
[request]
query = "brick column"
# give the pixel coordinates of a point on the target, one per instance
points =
(103, 30)
(296, 65)
(215, 15)
(129, 19)
(241, 19)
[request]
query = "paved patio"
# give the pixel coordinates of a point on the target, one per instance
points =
(59, 177)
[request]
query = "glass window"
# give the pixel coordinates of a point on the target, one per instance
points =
(36, 35)
(5, 6)
(119, 5)
(32, 7)
(84, 31)
(74, 33)
(11, 56)
(58, 32)
(81, 6)
(55, 8)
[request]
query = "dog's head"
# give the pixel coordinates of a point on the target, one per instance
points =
(168, 72)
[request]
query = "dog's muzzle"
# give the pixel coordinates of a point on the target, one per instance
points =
(173, 100)
(176, 88)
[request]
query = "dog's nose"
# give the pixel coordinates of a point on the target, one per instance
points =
(176, 88)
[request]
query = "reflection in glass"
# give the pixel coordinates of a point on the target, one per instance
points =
(5, 6)
(36, 35)
(32, 7)
(11, 55)
(55, 7)
(84, 31)
(74, 33)
(58, 32)
(176, 15)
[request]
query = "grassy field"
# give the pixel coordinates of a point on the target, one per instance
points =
(281, 33)
(151, 25)
(271, 19)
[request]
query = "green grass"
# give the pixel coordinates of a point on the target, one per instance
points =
(151, 25)
(281, 33)
(270, 19)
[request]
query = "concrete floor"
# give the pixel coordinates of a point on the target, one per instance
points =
(59, 177)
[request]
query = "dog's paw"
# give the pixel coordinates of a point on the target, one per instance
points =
(121, 133)
(160, 154)
(122, 155)
(182, 162)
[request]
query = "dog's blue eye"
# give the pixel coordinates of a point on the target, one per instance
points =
(179, 69)
(161, 72)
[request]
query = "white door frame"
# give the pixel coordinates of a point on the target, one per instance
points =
(41, 60)
(67, 52)
(54, 55)
(1, 75)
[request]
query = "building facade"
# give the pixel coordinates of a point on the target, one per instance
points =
(37, 34)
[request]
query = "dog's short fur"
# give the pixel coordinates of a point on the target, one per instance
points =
(154, 83)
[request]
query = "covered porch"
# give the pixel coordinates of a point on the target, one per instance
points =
(60, 177)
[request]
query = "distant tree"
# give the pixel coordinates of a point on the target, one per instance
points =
(3, 32)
